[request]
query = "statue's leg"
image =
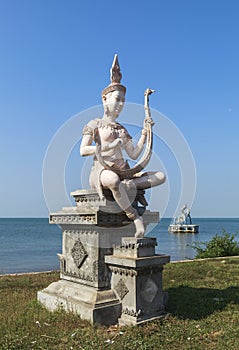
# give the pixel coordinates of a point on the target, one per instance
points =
(149, 179)
(111, 180)
(143, 181)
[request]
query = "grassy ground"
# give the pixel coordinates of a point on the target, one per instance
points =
(203, 306)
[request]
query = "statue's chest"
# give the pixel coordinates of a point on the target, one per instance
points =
(109, 133)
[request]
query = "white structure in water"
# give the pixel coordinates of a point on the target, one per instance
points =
(183, 223)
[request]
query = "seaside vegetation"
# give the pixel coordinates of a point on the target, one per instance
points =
(219, 246)
(203, 313)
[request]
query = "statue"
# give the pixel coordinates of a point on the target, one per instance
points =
(185, 218)
(110, 170)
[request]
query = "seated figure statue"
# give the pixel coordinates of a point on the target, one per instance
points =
(105, 138)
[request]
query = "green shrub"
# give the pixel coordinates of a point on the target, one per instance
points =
(218, 246)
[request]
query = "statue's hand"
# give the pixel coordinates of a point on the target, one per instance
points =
(115, 143)
(148, 121)
(107, 146)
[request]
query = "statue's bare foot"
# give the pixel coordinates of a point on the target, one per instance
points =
(139, 227)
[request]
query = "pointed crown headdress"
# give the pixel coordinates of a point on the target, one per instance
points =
(115, 77)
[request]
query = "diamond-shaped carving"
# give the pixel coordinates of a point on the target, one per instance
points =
(121, 289)
(78, 253)
(149, 290)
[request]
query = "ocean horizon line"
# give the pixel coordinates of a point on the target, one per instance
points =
(166, 217)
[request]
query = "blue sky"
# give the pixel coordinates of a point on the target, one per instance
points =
(54, 63)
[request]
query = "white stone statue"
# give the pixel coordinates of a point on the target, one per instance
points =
(110, 170)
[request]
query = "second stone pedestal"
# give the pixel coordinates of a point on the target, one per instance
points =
(137, 280)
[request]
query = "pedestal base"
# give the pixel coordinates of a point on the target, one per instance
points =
(98, 307)
(101, 262)
(127, 320)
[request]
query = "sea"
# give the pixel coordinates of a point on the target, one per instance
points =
(32, 244)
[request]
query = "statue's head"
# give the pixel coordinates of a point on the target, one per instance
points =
(113, 103)
(113, 96)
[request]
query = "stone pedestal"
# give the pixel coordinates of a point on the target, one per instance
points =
(137, 280)
(90, 230)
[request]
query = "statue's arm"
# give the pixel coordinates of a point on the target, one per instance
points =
(134, 151)
(86, 148)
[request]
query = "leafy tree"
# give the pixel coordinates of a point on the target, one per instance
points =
(220, 245)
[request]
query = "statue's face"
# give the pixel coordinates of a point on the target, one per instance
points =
(114, 102)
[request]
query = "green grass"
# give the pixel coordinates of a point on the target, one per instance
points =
(203, 311)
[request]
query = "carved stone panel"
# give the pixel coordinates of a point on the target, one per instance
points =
(78, 253)
(149, 290)
(121, 289)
